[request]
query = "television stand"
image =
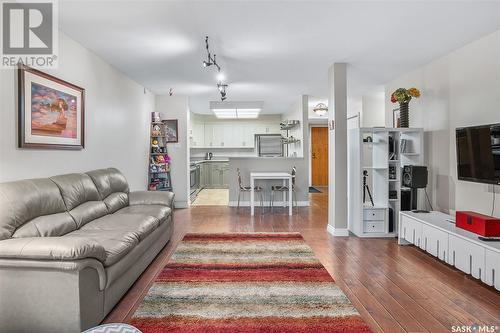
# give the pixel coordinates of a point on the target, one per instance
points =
(433, 233)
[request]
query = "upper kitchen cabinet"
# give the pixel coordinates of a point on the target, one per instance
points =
(198, 135)
(268, 129)
(213, 133)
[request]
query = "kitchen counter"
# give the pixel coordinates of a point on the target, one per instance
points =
(213, 160)
(266, 158)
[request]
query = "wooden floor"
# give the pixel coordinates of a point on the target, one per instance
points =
(395, 288)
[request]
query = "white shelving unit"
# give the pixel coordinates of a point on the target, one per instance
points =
(369, 149)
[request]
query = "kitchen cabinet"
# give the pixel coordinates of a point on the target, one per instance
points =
(229, 134)
(268, 129)
(197, 135)
(215, 174)
(208, 135)
(246, 136)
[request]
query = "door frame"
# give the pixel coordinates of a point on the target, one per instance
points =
(310, 149)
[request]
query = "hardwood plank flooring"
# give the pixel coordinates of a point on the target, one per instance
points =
(395, 288)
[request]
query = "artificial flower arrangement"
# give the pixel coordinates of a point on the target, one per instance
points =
(402, 95)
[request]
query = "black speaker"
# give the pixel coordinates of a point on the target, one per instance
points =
(406, 202)
(391, 220)
(414, 176)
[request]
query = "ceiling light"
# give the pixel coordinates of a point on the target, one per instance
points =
(320, 109)
(235, 113)
(225, 113)
(247, 113)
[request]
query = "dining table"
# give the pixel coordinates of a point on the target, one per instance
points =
(286, 177)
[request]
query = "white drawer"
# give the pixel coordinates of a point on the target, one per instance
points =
(373, 214)
(374, 226)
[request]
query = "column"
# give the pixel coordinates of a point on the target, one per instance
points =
(337, 149)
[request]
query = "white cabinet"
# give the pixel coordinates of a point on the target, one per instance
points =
(209, 135)
(197, 135)
(268, 129)
(466, 256)
(246, 136)
(435, 242)
(229, 134)
(491, 274)
(411, 230)
(374, 220)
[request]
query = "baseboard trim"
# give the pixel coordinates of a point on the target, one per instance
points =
(338, 232)
(181, 204)
(266, 203)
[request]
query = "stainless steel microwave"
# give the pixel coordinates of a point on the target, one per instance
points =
(270, 145)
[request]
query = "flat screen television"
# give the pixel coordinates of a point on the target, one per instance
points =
(478, 153)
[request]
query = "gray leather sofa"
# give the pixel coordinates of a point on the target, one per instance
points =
(72, 245)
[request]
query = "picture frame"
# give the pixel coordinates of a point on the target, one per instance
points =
(396, 118)
(51, 111)
(171, 130)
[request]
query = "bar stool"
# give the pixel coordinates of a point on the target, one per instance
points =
(284, 189)
(248, 189)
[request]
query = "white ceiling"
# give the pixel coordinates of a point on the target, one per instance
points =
(272, 51)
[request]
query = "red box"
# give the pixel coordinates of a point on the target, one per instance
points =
(480, 224)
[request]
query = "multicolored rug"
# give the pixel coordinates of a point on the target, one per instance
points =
(249, 282)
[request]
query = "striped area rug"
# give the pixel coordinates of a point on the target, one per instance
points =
(249, 282)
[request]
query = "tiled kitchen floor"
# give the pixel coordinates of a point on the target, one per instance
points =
(212, 197)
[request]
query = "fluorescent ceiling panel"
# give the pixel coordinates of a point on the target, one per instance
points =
(225, 113)
(247, 113)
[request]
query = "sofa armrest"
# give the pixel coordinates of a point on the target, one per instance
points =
(151, 198)
(51, 248)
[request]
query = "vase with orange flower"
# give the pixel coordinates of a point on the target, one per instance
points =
(403, 96)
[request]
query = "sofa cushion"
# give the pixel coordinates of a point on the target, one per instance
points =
(47, 226)
(81, 197)
(161, 213)
(112, 186)
(51, 248)
(138, 224)
(33, 200)
(116, 243)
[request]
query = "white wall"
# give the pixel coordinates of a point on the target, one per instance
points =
(459, 89)
(177, 107)
(117, 113)
(373, 110)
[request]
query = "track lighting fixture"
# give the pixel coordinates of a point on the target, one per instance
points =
(210, 60)
(220, 76)
(222, 89)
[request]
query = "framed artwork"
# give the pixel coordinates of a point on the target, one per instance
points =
(171, 130)
(396, 118)
(51, 111)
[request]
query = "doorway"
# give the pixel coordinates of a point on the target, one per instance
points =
(319, 156)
